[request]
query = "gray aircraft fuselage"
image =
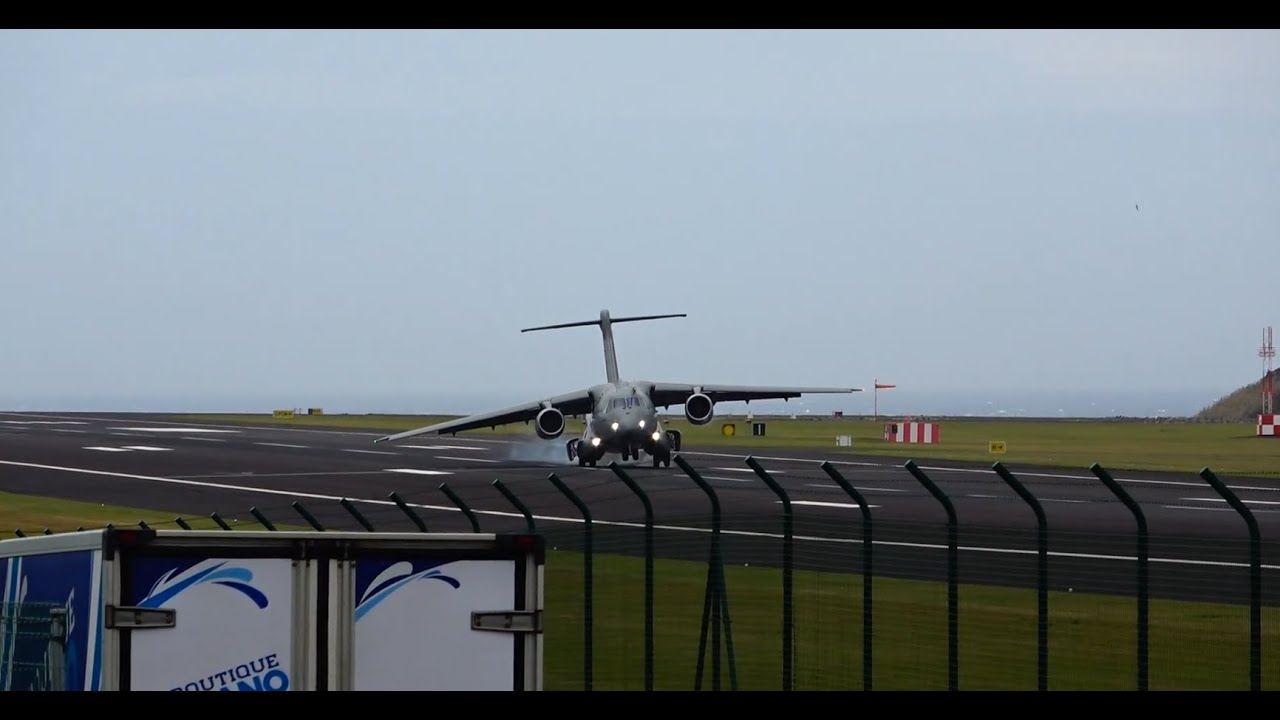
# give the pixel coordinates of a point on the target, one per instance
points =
(625, 422)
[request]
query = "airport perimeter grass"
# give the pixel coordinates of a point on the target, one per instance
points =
(1092, 637)
(1228, 449)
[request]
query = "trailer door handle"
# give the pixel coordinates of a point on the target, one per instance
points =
(140, 618)
(516, 621)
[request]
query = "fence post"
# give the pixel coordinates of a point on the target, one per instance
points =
(182, 523)
(218, 519)
(953, 610)
(716, 600)
(1143, 590)
(1255, 577)
(1042, 571)
(852, 492)
(257, 514)
(453, 498)
(355, 513)
(588, 595)
(648, 570)
(517, 504)
(306, 515)
(404, 508)
(788, 606)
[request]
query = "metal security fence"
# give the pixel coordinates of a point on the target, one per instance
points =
(33, 639)
(776, 590)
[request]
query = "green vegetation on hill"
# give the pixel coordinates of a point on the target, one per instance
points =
(1242, 405)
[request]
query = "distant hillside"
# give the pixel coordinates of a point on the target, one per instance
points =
(1243, 405)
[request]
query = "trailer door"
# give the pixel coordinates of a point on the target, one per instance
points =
(427, 619)
(201, 623)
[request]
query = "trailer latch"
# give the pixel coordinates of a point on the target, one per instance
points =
(140, 617)
(519, 621)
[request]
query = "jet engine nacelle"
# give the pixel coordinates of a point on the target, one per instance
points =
(698, 409)
(549, 423)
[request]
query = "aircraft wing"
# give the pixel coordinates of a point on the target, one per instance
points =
(676, 393)
(577, 402)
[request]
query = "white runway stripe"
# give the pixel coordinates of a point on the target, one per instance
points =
(288, 445)
(146, 447)
(106, 449)
(446, 447)
(462, 459)
(416, 471)
(369, 452)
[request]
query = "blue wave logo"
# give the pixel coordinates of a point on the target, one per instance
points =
(392, 579)
(173, 583)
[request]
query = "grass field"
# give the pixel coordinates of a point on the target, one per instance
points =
(1092, 637)
(1182, 447)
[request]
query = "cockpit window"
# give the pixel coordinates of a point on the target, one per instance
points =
(624, 403)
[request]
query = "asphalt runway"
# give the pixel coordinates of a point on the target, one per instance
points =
(1198, 544)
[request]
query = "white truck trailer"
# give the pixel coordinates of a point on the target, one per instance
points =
(200, 611)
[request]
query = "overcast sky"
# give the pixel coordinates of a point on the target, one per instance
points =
(382, 212)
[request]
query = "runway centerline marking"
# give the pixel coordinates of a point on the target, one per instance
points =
(101, 448)
(445, 447)
(462, 459)
(146, 447)
(417, 471)
(369, 452)
(204, 439)
(288, 445)
(617, 523)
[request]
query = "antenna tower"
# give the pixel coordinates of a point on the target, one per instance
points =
(1267, 352)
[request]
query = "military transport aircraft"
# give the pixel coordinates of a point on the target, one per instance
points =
(623, 414)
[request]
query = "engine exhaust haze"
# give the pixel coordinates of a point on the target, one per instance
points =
(533, 450)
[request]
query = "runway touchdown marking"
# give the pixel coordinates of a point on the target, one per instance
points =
(1221, 500)
(616, 523)
(128, 448)
(173, 430)
(823, 503)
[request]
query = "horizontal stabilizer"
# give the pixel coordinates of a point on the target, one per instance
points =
(586, 323)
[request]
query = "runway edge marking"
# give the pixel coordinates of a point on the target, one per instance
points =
(616, 523)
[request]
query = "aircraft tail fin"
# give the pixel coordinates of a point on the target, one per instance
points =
(606, 330)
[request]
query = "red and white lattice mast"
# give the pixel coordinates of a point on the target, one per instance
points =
(1267, 352)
